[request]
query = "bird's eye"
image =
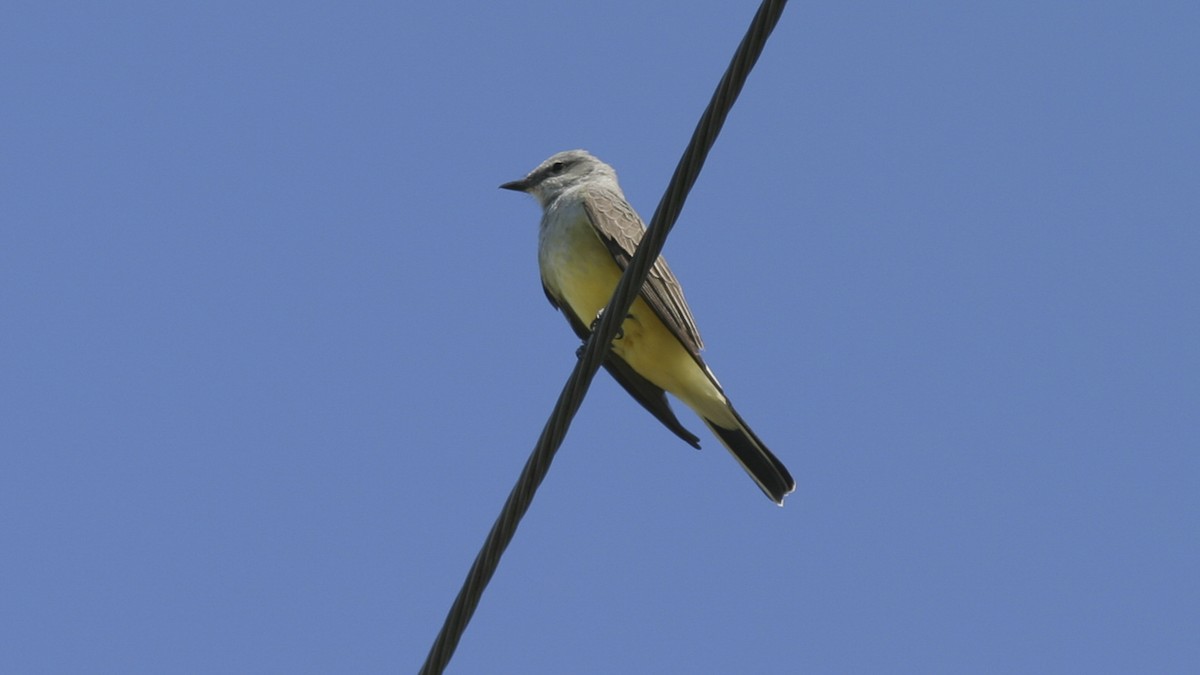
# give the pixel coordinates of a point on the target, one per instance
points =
(556, 167)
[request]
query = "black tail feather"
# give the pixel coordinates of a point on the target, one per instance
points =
(764, 467)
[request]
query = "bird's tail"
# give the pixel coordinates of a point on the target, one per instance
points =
(763, 466)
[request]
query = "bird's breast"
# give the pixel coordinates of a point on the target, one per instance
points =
(576, 266)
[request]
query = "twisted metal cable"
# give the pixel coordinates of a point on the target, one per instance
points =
(603, 333)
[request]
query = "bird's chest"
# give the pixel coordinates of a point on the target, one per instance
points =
(576, 266)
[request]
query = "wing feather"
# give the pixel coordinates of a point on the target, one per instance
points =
(621, 229)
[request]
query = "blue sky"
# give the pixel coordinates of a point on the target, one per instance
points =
(275, 348)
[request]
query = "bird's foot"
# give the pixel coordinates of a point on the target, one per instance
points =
(620, 329)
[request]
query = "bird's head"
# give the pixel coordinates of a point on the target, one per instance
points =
(561, 172)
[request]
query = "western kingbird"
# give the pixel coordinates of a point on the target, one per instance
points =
(587, 236)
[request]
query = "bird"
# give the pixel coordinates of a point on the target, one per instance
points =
(587, 236)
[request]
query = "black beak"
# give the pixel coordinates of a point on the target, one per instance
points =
(518, 185)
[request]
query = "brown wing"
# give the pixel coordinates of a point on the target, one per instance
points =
(620, 228)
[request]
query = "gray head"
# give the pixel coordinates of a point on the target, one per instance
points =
(562, 172)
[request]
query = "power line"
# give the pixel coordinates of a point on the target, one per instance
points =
(603, 333)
